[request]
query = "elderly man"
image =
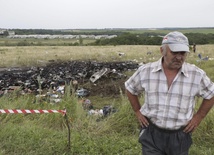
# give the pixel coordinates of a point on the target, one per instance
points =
(170, 86)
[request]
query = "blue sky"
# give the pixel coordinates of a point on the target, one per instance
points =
(75, 14)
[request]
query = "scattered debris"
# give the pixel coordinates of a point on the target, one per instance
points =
(86, 104)
(121, 54)
(49, 81)
(104, 112)
(98, 74)
(202, 58)
(149, 53)
(107, 110)
(82, 92)
(96, 112)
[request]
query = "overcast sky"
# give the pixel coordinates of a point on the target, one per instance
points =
(81, 14)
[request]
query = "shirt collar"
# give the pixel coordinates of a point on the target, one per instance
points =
(184, 69)
(158, 66)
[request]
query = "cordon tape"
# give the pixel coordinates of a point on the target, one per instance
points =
(26, 111)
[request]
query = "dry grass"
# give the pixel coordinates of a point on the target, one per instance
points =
(37, 55)
(27, 56)
(46, 134)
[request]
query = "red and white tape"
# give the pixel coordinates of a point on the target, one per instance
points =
(26, 111)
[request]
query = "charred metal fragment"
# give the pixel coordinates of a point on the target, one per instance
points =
(56, 74)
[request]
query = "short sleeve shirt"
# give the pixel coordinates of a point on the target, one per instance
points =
(169, 107)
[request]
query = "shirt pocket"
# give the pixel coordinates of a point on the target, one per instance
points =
(152, 99)
(186, 103)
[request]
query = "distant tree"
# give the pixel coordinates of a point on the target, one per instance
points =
(197, 38)
(130, 39)
(6, 33)
(80, 40)
(153, 40)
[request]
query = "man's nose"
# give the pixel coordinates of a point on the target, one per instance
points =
(179, 56)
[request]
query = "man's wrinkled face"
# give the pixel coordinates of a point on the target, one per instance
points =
(173, 60)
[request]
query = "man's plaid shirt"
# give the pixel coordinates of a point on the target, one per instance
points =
(169, 108)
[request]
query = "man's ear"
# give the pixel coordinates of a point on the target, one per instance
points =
(161, 50)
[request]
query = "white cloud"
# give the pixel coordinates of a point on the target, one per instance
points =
(70, 14)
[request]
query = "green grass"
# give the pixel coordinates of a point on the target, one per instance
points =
(42, 42)
(48, 134)
(90, 135)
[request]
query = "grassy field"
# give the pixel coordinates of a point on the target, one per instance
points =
(28, 56)
(42, 42)
(117, 134)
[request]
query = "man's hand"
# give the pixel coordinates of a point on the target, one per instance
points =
(201, 113)
(142, 119)
(193, 123)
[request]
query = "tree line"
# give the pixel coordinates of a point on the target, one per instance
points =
(65, 32)
(124, 37)
(153, 39)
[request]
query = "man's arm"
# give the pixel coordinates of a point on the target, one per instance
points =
(200, 114)
(133, 99)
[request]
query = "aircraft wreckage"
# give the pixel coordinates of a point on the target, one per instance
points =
(53, 77)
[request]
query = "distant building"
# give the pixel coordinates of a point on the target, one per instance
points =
(40, 36)
(2, 31)
(5, 31)
(11, 33)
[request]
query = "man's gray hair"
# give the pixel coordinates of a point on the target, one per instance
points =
(164, 47)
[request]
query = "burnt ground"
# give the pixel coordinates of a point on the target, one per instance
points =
(107, 87)
(96, 78)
